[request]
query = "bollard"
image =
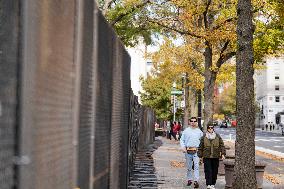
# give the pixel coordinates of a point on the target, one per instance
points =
(229, 172)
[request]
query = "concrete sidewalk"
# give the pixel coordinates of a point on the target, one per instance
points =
(171, 173)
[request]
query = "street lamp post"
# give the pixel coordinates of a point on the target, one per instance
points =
(185, 97)
(174, 87)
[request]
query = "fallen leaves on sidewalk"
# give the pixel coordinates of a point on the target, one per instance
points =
(177, 164)
(270, 156)
(271, 178)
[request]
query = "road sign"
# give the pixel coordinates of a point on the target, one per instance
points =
(176, 92)
(182, 104)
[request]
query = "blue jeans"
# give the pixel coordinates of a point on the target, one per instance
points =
(192, 158)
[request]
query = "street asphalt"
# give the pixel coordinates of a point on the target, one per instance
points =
(264, 139)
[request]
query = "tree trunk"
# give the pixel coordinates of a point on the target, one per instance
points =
(193, 103)
(209, 83)
(199, 102)
(186, 107)
(245, 146)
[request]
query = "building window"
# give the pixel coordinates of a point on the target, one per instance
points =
(270, 110)
(270, 98)
(276, 77)
(276, 87)
(277, 99)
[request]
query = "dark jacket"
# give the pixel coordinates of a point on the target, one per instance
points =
(211, 148)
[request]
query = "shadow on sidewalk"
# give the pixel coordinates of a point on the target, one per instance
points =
(143, 175)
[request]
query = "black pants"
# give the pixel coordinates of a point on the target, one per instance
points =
(173, 134)
(211, 170)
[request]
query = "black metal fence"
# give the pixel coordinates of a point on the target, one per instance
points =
(68, 117)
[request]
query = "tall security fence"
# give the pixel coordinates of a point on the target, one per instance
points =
(141, 132)
(68, 118)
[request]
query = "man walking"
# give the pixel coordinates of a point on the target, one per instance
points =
(189, 142)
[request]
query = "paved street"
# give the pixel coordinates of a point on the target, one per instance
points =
(263, 139)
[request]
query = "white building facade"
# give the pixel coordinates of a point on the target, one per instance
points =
(269, 89)
(140, 67)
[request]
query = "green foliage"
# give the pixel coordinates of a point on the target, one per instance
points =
(226, 102)
(269, 32)
(128, 17)
(156, 95)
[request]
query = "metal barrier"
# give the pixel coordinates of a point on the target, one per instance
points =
(68, 116)
(141, 129)
(8, 92)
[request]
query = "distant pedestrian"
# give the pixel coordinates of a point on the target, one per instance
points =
(282, 128)
(172, 133)
(168, 128)
(211, 148)
(270, 125)
(190, 140)
(266, 126)
(177, 129)
(273, 126)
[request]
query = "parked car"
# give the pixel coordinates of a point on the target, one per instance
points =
(224, 124)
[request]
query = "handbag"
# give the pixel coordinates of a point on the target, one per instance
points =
(191, 150)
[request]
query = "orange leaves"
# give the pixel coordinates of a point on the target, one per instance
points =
(271, 178)
(177, 164)
(270, 156)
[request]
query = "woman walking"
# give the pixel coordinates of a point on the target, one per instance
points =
(211, 148)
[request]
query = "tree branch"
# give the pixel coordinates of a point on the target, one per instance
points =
(219, 62)
(223, 23)
(118, 18)
(194, 66)
(233, 19)
(205, 14)
(182, 32)
(224, 58)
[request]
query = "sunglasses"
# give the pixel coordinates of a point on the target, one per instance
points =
(193, 121)
(210, 127)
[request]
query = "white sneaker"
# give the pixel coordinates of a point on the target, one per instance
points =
(212, 187)
(209, 187)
